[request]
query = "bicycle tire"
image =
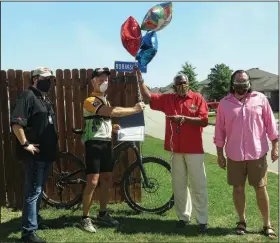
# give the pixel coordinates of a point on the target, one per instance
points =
(78, 197)
(125, 187)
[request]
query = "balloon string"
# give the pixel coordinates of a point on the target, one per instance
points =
(139, 95)
(171, 140)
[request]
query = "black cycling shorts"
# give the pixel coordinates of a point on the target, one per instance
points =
(98, 157)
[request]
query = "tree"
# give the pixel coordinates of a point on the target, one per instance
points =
(219, 81)
(188, 70)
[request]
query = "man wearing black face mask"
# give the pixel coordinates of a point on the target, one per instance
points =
(186, 114)
(34, 123)
(244, 122)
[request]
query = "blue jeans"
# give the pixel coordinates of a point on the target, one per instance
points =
(36, 175)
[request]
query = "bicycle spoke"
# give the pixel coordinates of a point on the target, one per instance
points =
(158, 191)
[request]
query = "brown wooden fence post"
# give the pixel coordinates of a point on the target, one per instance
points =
(18, 89)
(9, 160)
(3, 85)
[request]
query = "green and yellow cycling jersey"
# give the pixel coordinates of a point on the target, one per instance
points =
(96, 127)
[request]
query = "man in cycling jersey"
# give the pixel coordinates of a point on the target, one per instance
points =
(97, 138)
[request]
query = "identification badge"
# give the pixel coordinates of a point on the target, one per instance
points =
(50, 120)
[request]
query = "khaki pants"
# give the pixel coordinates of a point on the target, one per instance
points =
(189, 186)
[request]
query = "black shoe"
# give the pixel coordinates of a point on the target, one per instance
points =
(32, 238)
(41, 225)
(39, 218)
(203, 228)
(181, 224)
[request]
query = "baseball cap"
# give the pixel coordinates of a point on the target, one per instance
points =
(43, 71)
(99, 71)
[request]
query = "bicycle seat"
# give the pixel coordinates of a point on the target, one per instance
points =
(77, 130)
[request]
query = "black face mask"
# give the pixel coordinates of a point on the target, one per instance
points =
(241, 88)
(44, 85)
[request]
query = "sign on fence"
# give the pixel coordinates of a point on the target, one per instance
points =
(128, 66)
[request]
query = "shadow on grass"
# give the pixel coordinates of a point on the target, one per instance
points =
(128, 225)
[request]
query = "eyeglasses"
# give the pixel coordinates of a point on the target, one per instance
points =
(241, 81)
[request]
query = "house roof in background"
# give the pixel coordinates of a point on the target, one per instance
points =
(261, 80)
(204, 82)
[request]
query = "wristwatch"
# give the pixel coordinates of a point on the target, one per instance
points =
(141, 80)
(26, 144)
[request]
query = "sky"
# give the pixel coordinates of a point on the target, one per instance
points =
(68, 35)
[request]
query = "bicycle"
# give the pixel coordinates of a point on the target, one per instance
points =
(150, 185)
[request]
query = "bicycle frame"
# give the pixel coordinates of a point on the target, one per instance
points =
(78, 181)
(124, 146)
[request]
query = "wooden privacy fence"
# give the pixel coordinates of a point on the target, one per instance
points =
(67, 94)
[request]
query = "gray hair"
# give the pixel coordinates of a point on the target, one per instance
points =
(180, 76)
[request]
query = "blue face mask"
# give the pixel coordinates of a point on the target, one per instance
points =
(44, 85)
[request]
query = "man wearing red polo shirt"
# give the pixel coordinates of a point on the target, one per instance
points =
(186, 115)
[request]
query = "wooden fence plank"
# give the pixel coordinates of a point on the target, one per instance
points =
(90, 88)
(69, 124)
(132, 157)
(9, 160)
(79, 148)
(3, 84)
(130, 102)
(60, 110)
(69, 110)
(118, 92)
(26, 80)
(83, 90)
(26, 84)
(61, 133)
(111, 87)
(18, 172)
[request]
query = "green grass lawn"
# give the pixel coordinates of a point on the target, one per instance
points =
(212, 117)
(155, 228)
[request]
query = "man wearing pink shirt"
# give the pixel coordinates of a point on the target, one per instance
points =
(244, 121)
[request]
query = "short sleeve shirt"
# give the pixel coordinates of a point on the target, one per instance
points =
(96, 127)
(34, 112)
(189, 140)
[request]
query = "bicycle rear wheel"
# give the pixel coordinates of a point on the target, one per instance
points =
(157, 197)
(66, 182)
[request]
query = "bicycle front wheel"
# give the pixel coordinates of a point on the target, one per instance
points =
(155, 196)
(66, 183)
